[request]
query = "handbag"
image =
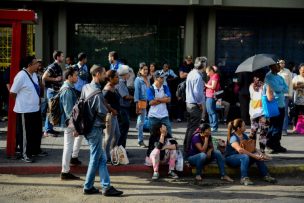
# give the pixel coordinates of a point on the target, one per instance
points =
(270, 108)
(179, 166)
(119, 156)
(300, 124)
(142, 104)
(248, 145)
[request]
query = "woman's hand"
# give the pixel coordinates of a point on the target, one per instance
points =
(163, 131)
(259, 157)
(138, 110)
(209, 153)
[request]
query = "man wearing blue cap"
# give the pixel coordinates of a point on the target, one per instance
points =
(159, 96)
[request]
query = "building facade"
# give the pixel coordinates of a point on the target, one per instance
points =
(164, 31)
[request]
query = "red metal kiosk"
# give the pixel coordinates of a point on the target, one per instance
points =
(17, 19)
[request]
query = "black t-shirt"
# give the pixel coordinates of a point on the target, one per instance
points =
(112, 98)
(54, 71)
(186, 68)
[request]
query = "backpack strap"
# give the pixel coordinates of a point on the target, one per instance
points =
(92, 95)
(152, 90)
(35, 85)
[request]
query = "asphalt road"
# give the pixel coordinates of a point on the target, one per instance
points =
(138, 187)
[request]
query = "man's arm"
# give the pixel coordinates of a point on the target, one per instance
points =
(46, 77)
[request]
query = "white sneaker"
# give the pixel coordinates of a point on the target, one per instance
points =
(155, 176)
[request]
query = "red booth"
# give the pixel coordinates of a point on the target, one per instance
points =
(18, 20)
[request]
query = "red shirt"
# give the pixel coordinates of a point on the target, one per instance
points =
(209, 91)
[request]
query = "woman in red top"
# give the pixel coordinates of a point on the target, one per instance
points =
(212, 86)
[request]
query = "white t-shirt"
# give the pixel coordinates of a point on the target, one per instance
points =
(255, 105)
(299, 92)
(27, 100)
(160, 110)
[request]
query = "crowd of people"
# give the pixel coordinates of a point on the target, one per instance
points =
(110, 94)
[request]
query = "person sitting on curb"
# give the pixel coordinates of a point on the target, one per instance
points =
(201, 152)
(236, 156)
(161, 150)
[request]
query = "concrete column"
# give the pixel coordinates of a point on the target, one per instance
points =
(211, 36)
(39, 36)
(62, 30)
(189, 48)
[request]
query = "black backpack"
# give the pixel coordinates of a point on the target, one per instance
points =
(181, 91)
(81, 121)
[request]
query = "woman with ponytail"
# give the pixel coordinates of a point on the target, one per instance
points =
(110, 93)
(236, 156)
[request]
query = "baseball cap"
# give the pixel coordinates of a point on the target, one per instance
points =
(159, 74)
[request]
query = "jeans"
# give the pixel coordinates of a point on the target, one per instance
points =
(274, 133)
(211, 110)
(112, 134)
(44, 105)
(124, 125)
(165, 120)
(286, 121)
(140, 125)
(195, 115)
(71, 146)
(98, 160)
(49, 94)
(245, 161)
(200, 159)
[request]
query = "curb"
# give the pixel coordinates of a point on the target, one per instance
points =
(55, 169)
(210, 170)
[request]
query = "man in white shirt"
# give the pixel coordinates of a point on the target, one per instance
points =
(26, 90)
(158, 96)
(286, 74)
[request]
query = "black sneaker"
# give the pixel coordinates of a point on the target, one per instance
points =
(141, 144)
(75, 162)
(27, 159)
(54, 132)
(41, 154)
(111, 191)
(91, 191)
(282, 149)
(68, 176)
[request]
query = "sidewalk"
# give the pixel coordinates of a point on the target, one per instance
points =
(287, 163)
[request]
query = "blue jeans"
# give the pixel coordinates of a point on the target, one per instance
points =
(200, 159)
(98, 160)
(286, 121)
(47, 125)
(211, 110)
(274, 133)
(140, 125)
(166, 121)
(245, 161)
